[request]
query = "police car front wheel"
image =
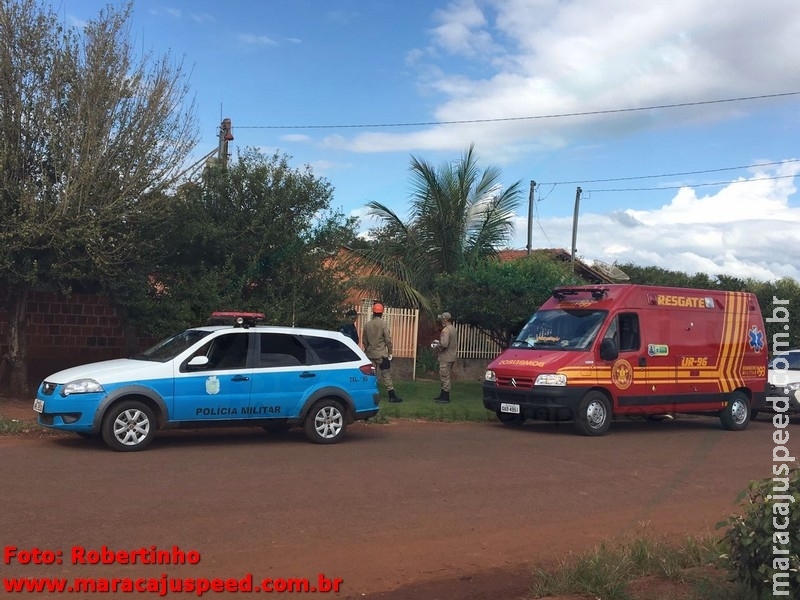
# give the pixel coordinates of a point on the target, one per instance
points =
(326, 422)
(129, 426)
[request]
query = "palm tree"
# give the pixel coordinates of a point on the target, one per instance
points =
(458, 216)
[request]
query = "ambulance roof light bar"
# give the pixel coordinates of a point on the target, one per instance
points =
(597, 292)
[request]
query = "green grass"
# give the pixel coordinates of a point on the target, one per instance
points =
(14, 426)
(466, 402)
(606, 572)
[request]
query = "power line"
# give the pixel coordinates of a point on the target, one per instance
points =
(694, 185)
(704, 171)
(528, 118)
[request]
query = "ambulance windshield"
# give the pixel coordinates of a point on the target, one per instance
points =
(561, 329)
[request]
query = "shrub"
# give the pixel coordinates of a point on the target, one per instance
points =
(763, 543)
(427, 362)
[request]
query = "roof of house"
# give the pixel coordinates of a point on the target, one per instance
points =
(589, 273)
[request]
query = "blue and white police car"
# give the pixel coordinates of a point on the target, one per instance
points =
(235, 374)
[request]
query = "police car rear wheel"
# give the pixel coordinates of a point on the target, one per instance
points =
(736, 414)
(326, 422)
(129, 426)
(593, 416)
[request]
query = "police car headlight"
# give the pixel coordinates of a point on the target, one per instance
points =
(81, 386)
(489, 376)
(558, 379)
(791, 388)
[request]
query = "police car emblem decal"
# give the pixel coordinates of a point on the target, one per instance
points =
(212, 385)
(622, 374)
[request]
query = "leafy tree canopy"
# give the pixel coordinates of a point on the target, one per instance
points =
(90, 137)
(258, 237)
(500, 297)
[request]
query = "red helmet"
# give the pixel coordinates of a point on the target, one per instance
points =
(377, 308)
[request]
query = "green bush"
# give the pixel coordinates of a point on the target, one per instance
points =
(763, 542)
(427, 361)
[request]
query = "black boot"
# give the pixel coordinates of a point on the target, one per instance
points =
(394, 397)
(444, 397)
(439, 397)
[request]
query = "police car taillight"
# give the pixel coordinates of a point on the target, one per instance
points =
(367, 369)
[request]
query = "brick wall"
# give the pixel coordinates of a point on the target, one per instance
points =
(67, 331)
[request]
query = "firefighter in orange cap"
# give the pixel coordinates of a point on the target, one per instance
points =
(378, 347)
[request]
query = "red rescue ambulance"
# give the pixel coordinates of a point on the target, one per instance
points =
(591, 353)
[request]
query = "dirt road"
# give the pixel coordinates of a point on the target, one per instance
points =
(405, 510)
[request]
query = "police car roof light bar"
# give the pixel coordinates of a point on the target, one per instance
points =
(237, 318)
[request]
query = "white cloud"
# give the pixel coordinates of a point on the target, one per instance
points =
(746, 229)
(295, 138)
(461, 29)
(548, 57)
(203, 17)
(250, 39)
(175, 13)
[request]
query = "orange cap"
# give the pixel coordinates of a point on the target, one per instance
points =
(377, 308)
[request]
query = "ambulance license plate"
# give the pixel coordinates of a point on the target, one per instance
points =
(38, 406)
(509, 408)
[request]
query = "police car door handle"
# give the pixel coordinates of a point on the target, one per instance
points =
(240, 378)
(306, 374)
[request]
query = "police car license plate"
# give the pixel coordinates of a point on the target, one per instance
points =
(509, 408)
(38, 405)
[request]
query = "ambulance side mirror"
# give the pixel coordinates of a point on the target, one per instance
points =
(608, 349)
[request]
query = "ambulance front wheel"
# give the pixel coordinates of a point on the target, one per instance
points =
(593, 416)
(736, 415)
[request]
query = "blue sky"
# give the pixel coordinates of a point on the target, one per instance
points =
(284, 71)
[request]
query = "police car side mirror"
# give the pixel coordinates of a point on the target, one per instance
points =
(608, 349)
(198, 362)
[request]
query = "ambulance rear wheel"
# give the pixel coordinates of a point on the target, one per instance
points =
(736, 415)
(593, 416)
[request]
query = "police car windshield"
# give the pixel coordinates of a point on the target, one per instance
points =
(561, 329)
(171, 347)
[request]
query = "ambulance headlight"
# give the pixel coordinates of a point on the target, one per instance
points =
(554, 379)
(490, 376)
(81, 386)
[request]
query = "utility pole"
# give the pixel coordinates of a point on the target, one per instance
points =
(225, 136)
(530, 217)
(575, 229)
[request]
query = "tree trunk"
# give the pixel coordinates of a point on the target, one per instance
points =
(14, 364)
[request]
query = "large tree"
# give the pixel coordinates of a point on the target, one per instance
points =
(258, 236)
(90, 137)
(458, 216)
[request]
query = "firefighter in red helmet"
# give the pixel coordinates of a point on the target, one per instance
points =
(378, 347)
